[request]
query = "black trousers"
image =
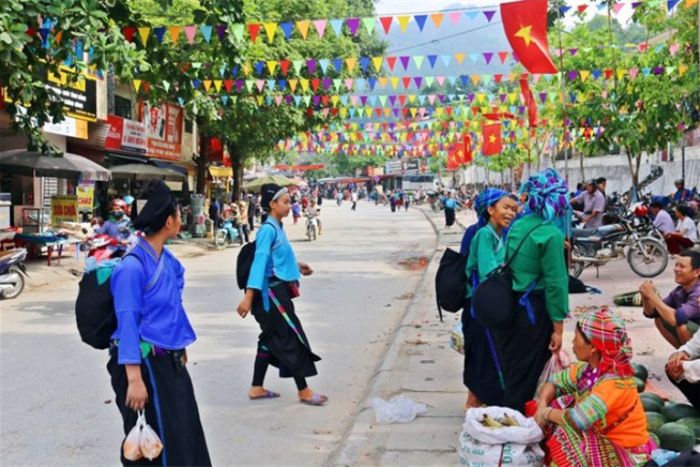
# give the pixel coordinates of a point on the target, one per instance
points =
(691, 391)
(171, 410)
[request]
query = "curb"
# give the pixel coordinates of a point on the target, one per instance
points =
(390, 356)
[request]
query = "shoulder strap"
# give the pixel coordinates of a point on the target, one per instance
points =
(508, 261)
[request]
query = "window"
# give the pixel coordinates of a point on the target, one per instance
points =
(188, 125)
(122, 107)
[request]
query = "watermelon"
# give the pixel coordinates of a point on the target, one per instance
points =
(676, 437)
(673, 412)
(651, 405)
(654, 421)
(693, 423)
(640, 384)
(641, 372)
(656, 398)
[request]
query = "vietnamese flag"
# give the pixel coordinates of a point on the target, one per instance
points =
(467, 143)
(525, 25)
(492, 139)
(529, 102)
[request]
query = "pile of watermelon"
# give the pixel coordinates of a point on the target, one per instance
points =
(673, 426)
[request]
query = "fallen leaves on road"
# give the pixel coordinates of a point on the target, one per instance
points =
(416, 342)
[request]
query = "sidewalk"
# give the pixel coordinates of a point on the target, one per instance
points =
(421, 365)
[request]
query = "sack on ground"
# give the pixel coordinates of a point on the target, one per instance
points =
(131, 447)
(507, 438)
(399, 409)
(457, 337)
(558, 362)
(149, 442)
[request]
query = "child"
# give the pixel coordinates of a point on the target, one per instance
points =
(296, 211)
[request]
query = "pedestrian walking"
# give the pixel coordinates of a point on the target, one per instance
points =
(483, 374)
(296, 212)
(408, 201)
(148, 354)
(540, 285)
(353, 197)
(272, 284)
(450, 206)
(252, 210)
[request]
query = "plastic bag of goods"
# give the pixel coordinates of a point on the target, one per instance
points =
(558, 362)
(399, 409)
(130, 448)
(150, 443)
(499, 436)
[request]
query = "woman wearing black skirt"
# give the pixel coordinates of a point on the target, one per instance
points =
(272, 284)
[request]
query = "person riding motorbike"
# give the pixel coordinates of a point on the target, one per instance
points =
(314, 212)
(117, 226)
(682, 194)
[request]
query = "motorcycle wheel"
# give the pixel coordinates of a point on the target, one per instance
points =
(308, 234)
(648, 258)
(576, 267)
(14, 292)
(220, 239)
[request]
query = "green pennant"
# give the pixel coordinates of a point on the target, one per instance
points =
(382, 99)
(418, 60)
(337, 83)
(237, 30)
(369, 23)
(307, 100)
(249, 83)
(486, 79)
(297, 64)
(429, 80)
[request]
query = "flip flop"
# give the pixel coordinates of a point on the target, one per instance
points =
(267, 395)
(316, 400)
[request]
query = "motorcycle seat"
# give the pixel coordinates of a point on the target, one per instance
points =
(584, 233)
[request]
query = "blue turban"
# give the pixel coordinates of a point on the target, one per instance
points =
(485, 200)
(547, 197)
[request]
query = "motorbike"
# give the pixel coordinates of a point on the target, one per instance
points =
(227, 235)
(311, 228)
(12, 273)
(103, 247)
(646, 256)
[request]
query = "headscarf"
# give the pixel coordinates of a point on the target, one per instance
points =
(547, 197)
(270, 192)
(608, 335)
(160, 205)
(485, 200)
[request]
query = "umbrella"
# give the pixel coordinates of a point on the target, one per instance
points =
(36, 164)
(256, 184)
(145, 172)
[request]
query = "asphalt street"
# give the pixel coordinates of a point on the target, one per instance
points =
(56, 404)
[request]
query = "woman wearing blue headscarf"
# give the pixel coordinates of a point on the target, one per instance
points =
(482, 372)
(540, 284)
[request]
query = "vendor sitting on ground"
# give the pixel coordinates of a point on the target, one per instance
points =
(683, 369)
(677, 316)
(596, 415)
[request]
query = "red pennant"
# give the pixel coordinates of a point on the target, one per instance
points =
(406, 82)
(402, 99)
(581, 8)
(325, 99)
(525, 25)
(315, 84)
(129, 32)
(498, 78)
(228, 84)
(386, 23)
(378, 112)
(391, 61)
(404, 111)
(284, 66)
(502, 56)
(254, 30)
(31, 32)
(310, 112)
(608, 73)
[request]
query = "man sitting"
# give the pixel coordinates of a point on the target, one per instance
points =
(662, 219)
(593, 206)
(676, 316)
(683, 369)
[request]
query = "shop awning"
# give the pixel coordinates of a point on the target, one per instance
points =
(145, 172)
(220, 172)
(36, 164)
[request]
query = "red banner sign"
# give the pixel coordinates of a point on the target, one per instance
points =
(163, 130)
(300, 167)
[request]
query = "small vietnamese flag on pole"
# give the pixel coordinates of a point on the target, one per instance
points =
(525, 25)
(492, 139)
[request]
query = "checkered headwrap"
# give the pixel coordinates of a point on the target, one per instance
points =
(608, 335)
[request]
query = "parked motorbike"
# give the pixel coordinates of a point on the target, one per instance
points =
(646, 256)
(227, 235)
(12, 273)
(311, 228)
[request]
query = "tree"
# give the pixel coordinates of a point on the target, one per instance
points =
(37, 37)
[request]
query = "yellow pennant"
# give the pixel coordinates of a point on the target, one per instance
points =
(335, 100)
(271, 66)
(303, 27)
(459, 57)
(368, 112)
(411, 99)
(144, 32)
(137, 84)
(621, 73)
(377, 62)
(351, 62)
(270, 29)
(438, 112)
(584, 75)
(689, 3)
(207, 84)
(383, 80)
(682, 69)
(293, 84)
(394, 82)
(246, 69)
(475, 79)
(403, 22)
(304, 84)
(343, 112)
(174, 33)
(414, 111)
(260, 100)
(217, 85)
(512, 77)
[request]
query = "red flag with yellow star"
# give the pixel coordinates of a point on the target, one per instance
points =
(525, 25)
(492, 139)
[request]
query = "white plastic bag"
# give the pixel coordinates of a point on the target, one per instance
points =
(509, 445)
(457, 338)
(559, 361)
(149, 442)
(400, 409)
(131, 448)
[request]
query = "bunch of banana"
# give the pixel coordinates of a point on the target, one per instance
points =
(493, 423)
(509, 421)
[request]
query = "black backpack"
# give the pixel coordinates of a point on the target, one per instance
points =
(451, 282)
(94, 308)
(493, 300)
(245, 261)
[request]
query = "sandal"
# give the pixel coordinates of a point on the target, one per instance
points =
(316, 400)
(266, 395)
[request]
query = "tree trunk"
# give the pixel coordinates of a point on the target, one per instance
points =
(580, 161)
(634, 161)
(237, 167)
(202, 159)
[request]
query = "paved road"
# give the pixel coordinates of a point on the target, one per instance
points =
(56, 403)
